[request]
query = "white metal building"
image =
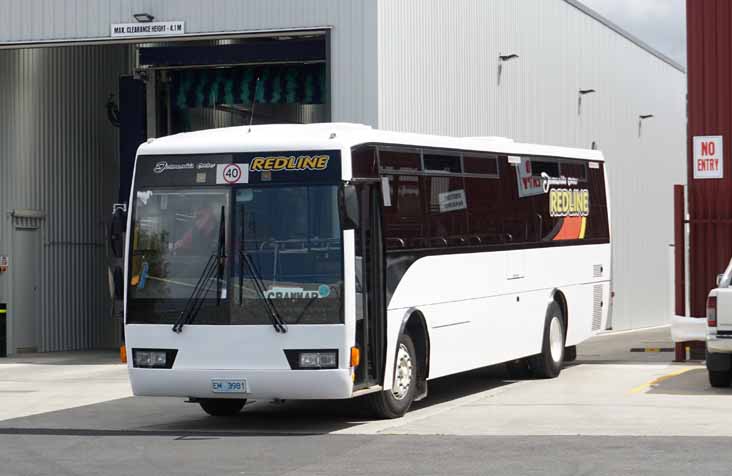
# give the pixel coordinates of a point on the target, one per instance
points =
(428, 66)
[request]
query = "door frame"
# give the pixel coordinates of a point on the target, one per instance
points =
(375, 329)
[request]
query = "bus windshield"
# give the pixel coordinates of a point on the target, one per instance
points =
(290, 234)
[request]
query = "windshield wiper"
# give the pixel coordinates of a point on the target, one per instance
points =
(216, 264)
(244, 257)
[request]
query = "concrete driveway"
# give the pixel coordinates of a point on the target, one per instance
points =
(608, 391)
(611, 412)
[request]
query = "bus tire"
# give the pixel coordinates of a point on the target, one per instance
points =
(395, 403)
(548, 364)
(221, 407)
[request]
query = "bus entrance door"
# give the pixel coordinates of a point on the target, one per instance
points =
(370, 288)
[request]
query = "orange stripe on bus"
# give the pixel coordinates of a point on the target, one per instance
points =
(571, 229)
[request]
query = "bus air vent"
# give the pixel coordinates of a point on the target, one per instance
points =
(597, 271)
(596, 307)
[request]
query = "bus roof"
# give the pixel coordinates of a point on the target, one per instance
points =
(329, 136)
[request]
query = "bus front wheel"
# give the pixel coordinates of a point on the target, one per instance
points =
(395, 403)
(221, 406)
(548, 364)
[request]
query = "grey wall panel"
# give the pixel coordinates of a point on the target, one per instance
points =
(353, 25)
(58, 154)
(438, 67)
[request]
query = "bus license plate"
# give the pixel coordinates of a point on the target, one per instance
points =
(228, 386)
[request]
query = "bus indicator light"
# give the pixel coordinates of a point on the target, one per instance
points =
(355, 356)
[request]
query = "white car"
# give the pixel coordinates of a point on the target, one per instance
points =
(719, 331)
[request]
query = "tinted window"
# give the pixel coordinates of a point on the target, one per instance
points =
(521, 224)
(573, 209)
(483, 165)
(363, 161)
(287, 242)
(549, 167)
(441, 163)
(404, 219)
(597, 221)
(447, 211)
(485, 215)
(392, 161)
(442, 207)
(574, 169)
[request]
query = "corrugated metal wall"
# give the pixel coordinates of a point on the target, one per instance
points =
(438, 73)
(57, 150)
(710, 113)
(431, 66)
(353, 35)
(58, 155)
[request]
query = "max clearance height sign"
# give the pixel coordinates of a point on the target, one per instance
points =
(708, 157)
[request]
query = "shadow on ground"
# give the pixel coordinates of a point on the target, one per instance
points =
(173, 417)
(692, 382)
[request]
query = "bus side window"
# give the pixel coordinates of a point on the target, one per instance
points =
(484, 197)
(364, 162)
(597, 221)
(403, 220)
(446, 210)
(520, 222)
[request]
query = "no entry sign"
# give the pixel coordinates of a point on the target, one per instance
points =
(708, 157)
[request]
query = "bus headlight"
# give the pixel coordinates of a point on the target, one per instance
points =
(153, 358)
(318, 360)
(312, 359)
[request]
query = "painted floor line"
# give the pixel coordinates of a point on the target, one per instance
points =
(658, 380)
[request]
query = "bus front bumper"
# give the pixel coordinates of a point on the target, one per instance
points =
(260, 384)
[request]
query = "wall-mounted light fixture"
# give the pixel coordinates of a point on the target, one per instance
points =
(582, 92)
(642, 118)
(143, 17)
(502, 59)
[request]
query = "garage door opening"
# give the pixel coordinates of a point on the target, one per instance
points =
(204, 85)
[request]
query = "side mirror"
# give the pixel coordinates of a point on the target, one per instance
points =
(350, 207)
(117, 233)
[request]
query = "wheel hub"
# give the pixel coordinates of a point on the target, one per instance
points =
(403, 373)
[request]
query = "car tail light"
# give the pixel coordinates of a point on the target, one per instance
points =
(712, 311)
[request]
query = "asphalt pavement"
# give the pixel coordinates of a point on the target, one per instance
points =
(611, 412)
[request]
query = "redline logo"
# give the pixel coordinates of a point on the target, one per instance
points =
(565, 202)
(276, 164)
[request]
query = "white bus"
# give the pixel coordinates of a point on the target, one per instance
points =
(332, 261)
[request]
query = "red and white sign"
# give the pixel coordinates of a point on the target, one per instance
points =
(232, 173)
(528, 183)
(708, 157)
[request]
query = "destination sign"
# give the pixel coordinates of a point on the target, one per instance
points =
(238, 169)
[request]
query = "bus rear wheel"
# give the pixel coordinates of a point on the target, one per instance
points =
(395, 403)
(548, 364)
(221, 407)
